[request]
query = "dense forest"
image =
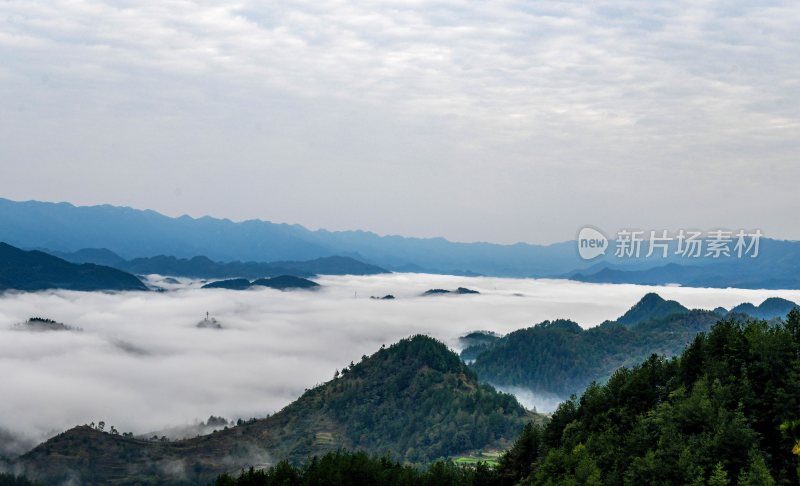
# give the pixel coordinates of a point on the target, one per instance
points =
(725, 412)
(359, 468)
(418, 401)
(651, 306)
(415, 400)
(562, 358)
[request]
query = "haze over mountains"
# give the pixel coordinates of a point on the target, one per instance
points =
(415, 400)
(281, 282)
(153, 338)
(132, 234)
(91, 270)
(776, 267)
(35, 270)
(560, 358)
(203, 267)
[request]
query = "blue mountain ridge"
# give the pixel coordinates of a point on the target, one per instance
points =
(134, 233)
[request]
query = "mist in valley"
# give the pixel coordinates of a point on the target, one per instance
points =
(141, 363)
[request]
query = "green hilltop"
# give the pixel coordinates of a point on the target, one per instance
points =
(560, 357)
(414, 400)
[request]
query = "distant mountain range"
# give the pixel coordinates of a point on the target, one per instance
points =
(414, 400)
(772, 308)
(458, 291)
(35, 270)
(204, 267)
(561, 358)
(776, 267)
(132, 233)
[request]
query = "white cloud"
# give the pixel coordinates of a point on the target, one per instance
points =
(530, 99)
(141, 364)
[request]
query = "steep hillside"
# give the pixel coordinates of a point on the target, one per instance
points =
(35, 270)
(651, 306)
(561, 358)
(727, 411)
(771, 308)
(414, 400)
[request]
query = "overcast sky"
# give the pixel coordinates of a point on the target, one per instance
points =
(497, 121)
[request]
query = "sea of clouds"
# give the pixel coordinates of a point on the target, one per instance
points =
(141, 364)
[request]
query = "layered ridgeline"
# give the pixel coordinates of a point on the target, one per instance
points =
(726, 412)
(415, 400)
(776, 267)
(203, 267)
(35, 270)
(769, 309)
(135, 233)
(561, 358)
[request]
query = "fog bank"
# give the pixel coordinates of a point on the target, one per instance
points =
(141, 364)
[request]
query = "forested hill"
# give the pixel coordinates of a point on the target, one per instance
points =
(727, 411)
(415, 400)
(769, 309)
(651, 306)
(561, 358)
(35, 270)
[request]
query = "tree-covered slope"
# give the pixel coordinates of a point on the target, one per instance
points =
(651, 306)
(724, 412)
(560, 357)
(774, 307)
(415, 400)
(35, 270)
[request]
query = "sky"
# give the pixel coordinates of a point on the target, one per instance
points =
(497, 121)
(141, 364)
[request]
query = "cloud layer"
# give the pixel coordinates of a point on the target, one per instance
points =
(502, 110)
(141, 364)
